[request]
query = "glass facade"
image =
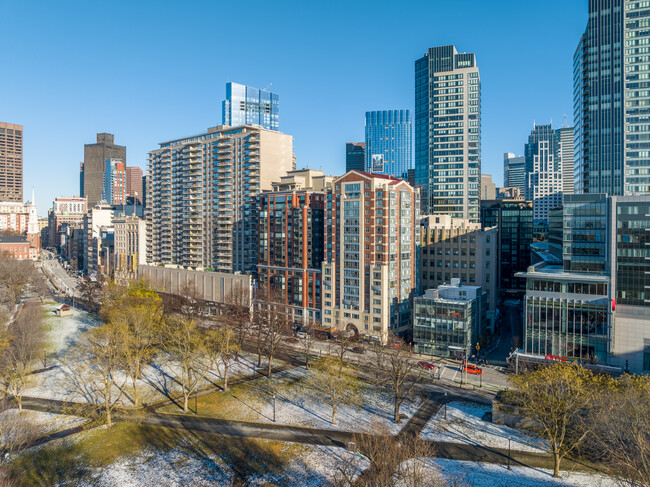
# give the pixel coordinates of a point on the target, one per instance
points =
(245, 105)
(515, 222)
(355, 156)
(440, 324)
(612, 101)
(632, 252)
(543, 171)
(514, 172)
(389, 142)
(585, 223)
(448, 133)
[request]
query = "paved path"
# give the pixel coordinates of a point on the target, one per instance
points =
(297, 434)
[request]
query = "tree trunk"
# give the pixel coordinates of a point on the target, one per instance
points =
(333, 415)
(270, 365)
(109, 420)
(556, 466)
(396, 411)
(186, 398)
(136, 399)
(19, 399)
(225, 379)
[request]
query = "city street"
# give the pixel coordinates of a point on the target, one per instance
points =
(61, 278)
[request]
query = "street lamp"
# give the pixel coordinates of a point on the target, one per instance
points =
(44, 358)
(445, 406)
(274, 408)
(508, 452)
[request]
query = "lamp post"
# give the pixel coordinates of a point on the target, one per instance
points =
(274, 408)
(445, 406)
(508, 452)
(44, 358)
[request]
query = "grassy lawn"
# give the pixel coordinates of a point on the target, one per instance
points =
(72, 461)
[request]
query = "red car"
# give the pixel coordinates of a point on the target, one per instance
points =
(472, 369)
(426, 365)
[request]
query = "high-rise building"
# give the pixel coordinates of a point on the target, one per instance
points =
(594, 307)
(355, 156)
(11, 162)
(389, 142)
(369, 272)
(514, 218)
(448, 133)
(291, 242)
(610, 101)
(114, 192)
(91, 176)
(245, 105)
(130, 245)
(564, 156)
(134, 183)
(514, 172)
(543, 171)
(457, 249)
(488, 188)
(202, 206)
(64, 211)
(96, 221)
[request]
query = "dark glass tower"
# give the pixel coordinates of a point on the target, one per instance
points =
(388, 142)
(355, 156)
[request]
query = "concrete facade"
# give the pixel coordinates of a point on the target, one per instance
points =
(130, 246)
(91, 177)
(11, 162)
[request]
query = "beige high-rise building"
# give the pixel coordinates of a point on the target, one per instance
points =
(369, 272)
(202, 203)
(488, 188)
(11, 162)
(130, 245)
(134, 183)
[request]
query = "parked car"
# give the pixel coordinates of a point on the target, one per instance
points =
(301, 334)
(426, 365)
(358, 350)
(472, 369)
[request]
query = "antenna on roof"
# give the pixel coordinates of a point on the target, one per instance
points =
(269, 85)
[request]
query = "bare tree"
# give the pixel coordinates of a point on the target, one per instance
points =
(273, 324)
(555, 397)
(307, 340)
(393, 461)
(95, 362)
(15, 275)
(332, 384)
(225, 349)
(189, 353)
(25, 342)
(139, 308)
(397, 370)
(237, 312)
(621, 422)
(343, 346)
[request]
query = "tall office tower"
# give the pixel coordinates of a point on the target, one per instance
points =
(355, 156)
(291, 238)
(370, 272)
(11, 162)
(514, 172)
(114, 192)
(515, 221)
(488, 188)
(543, 171)
(388, 142)
(134, 183)
(202, 206)
(611, 110)
(245, 105)
(91, 174)
(448, 133)
(564, 157)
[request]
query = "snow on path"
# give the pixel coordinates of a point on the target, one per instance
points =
(464, 425)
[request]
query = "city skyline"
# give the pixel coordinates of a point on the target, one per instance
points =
(58, 119)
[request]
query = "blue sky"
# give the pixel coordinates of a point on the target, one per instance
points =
(151, 71)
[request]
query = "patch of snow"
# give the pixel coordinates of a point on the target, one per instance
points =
(29, 425)
(464, 425)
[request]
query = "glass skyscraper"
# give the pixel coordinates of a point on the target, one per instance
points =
(612, 101)
(514, 171)
(355, 156)
(245, 105)
(448, 133)
(388, 142)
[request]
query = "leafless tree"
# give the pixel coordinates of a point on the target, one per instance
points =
(96, 362)
(307, 339)
(15, 275)
(621, 423)
(25, 343)
(393, 461)
(236, 312)
(273, 324)
(332, 384)
(344, 344)
(397, 370)
(224, 348)
(190, 356)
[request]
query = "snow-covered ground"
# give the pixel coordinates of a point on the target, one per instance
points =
(29, 425)
(464, 425)
(295, 404)
(59, 381)
(473, 473)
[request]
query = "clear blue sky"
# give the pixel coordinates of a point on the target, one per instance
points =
(151, 71)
